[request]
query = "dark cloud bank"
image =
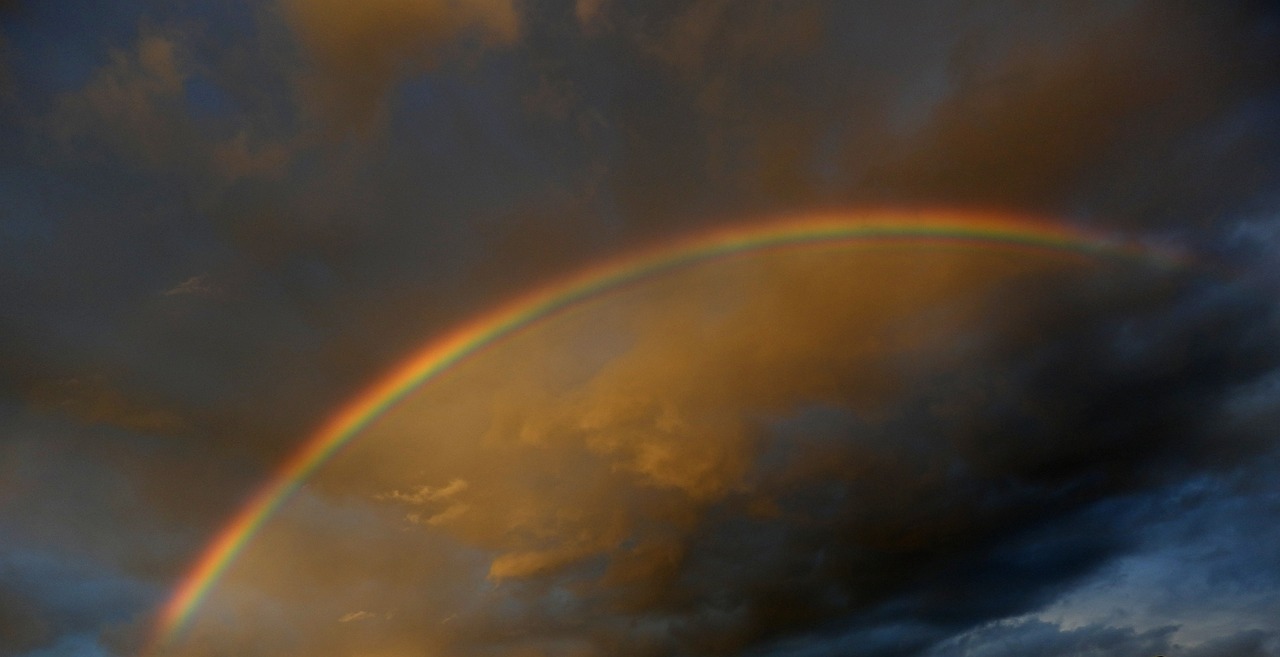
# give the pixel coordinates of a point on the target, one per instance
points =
(220, 220)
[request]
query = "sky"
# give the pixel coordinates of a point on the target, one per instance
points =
(220, 222)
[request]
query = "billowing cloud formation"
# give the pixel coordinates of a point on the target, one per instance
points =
(218, 221)
(361, 49)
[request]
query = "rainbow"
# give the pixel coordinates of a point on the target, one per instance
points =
(917, 228)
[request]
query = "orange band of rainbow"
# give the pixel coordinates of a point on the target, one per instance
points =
(923, 228)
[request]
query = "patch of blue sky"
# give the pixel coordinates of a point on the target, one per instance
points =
(80, 591)
(60, 43)
(72, 645)
(206, 100)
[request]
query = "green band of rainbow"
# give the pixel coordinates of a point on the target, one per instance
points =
(947, 228)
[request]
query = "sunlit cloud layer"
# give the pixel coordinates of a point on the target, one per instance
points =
(759, 454)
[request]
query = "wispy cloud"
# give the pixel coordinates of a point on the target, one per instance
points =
(356, 616)
(196, 285)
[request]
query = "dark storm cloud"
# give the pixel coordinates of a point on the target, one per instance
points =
(219, 221)
(1063, 469)
(969, 512)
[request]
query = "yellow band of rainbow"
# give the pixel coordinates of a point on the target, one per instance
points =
(922, 228)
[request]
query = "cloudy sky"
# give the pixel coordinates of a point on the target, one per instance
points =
(220, 221)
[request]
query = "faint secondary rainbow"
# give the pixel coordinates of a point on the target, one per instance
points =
(872, 228)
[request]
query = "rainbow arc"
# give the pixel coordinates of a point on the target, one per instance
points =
(872, 229)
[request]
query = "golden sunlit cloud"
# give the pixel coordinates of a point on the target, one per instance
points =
(361, 48)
